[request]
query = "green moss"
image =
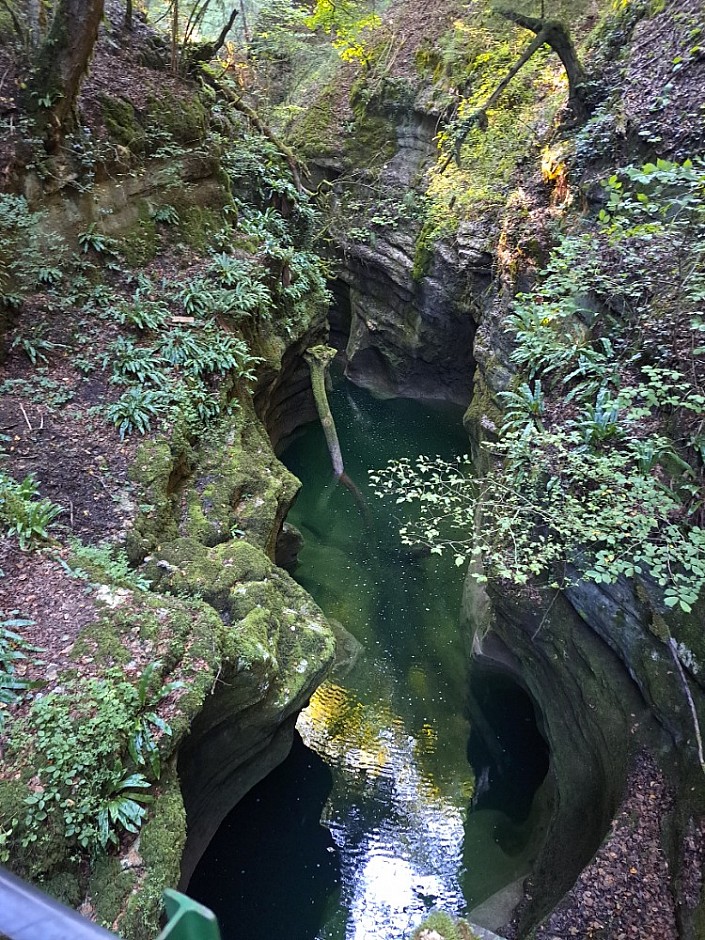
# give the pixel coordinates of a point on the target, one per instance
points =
(187, 567)
(247, 642)
(65, 887)
(7, 30)
(157, 470)
(108, 888)
(161, 845)
(372, 140)
(423, 252)
(183, 119)
(140, 244)
(441, 924)
(198, 224)
(122, 123)
(48, 851)
(483, 409)
(12, 807)
(239, 487)
(428, 61)
(103, 639)
(313, 133)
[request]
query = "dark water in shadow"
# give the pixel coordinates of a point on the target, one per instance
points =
(271, 866)
(390, 736)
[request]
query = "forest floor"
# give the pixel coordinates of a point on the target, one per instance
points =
(624, 892)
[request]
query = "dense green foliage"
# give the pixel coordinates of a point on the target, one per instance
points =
(91, 751)
(23, 513)
(600, 457)
(349, 24)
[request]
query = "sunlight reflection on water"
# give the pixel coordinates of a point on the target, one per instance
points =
(399, 836)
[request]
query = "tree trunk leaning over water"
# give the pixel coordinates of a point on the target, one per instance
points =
(318, 359)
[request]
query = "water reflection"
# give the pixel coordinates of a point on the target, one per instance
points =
(391, 733)
(393, 729)
(399, 835)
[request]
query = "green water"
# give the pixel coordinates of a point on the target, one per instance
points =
(387, 769)
(393, 728)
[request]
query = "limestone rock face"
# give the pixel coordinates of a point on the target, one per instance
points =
(405, 314)
(590, 713)
(278, 647)
(414, 337)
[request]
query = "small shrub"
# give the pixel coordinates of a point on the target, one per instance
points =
(83, 743)
(142, 312)
(166, 215)
(93, 240)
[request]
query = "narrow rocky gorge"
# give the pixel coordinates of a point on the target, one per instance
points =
(420, 295)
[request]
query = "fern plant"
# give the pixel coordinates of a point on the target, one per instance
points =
(34, 346)
(123, 807)
(142, 312)
(132, 363)
(135, 410)
(599, 422)
(22, 513)
(166, 215)
(13, 649)
(141, 741)
(524, 406)
(93, 240)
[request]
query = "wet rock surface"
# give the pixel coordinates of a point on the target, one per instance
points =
(413, 336)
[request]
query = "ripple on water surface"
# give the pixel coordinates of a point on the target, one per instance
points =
(399, 797)
(390, 736)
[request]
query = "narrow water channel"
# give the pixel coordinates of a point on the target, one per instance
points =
(371, 822)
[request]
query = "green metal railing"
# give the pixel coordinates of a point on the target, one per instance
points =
(26, 913)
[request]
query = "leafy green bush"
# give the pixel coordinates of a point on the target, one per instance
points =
(142, 312)
(612, 484)
(82, 742)
(135, 410)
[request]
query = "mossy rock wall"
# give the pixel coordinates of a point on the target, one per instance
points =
(119, 206)
(590, 713)
(249, 645)
(210, 532)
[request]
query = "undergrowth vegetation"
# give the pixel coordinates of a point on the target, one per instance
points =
(599, 462)
(180, 353)
(94, 754)
(169, 348)
(476, 162)
(13, 650)
(23, 513)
